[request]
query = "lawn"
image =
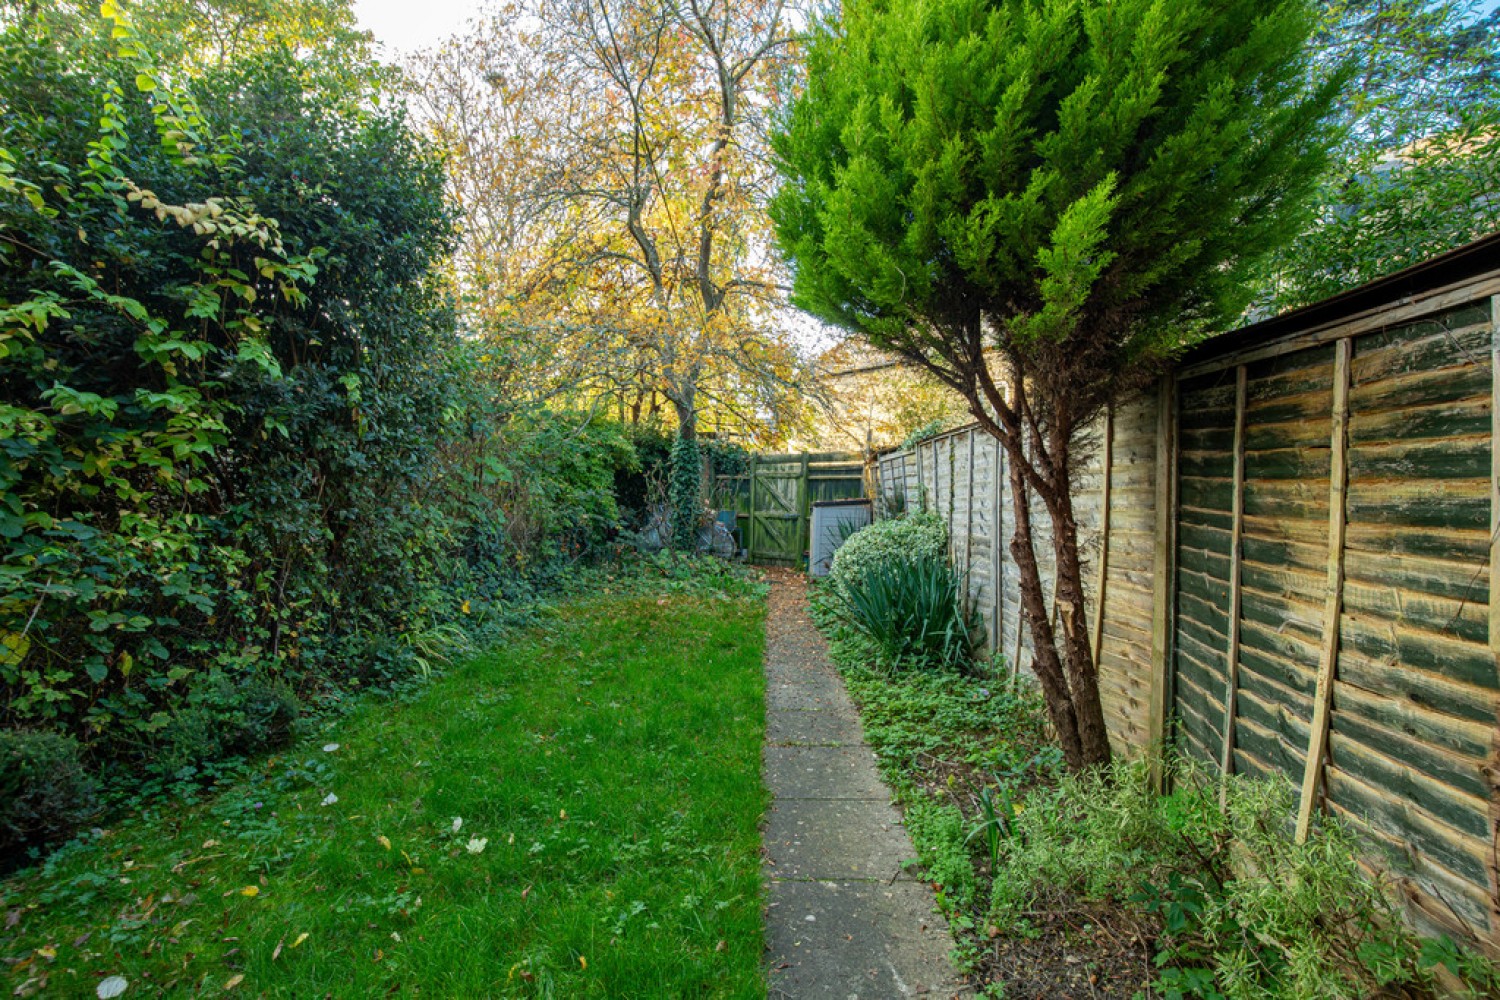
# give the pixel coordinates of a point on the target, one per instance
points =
(572, 815)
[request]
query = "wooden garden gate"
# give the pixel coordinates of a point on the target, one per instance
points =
(774, 500)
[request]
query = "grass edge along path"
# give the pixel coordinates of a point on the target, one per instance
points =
(573, 814)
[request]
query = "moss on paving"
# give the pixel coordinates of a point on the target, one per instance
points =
(606, 771)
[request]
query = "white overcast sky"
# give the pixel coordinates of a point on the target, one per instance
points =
(404, 26)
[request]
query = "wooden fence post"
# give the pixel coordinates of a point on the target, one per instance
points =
(997, 568)
(1236, 529)
(1163, 582)
(1338, 480)
(1493, 770)
(969, 519)
(804, 509)
(921, 482)
(1104, 503)
(750, 528)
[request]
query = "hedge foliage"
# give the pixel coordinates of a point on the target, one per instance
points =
(246, 460)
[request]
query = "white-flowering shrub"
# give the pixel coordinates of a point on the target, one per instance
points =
(909, 538)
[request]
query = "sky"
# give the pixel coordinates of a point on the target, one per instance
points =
(404, 26)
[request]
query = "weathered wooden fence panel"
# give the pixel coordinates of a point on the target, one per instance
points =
(1290, 570)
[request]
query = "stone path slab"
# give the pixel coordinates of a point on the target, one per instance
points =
(843, 920)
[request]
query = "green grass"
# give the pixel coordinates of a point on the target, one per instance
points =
(610, 759)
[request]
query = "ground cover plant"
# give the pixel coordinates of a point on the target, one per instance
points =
(572, 814)
(1093, 885)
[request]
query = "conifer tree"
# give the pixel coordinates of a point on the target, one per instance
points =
(1041, 202)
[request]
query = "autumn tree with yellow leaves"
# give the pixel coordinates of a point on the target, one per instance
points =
(610, 162)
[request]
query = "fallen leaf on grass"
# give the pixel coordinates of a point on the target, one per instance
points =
(234, 981)
(300, 938)
(458, 823)
(47, 951)
(276, 952)
(250, 890)
(583, 963)
(330, 799)
(330, 747)
(384, 841)
(112, 987)
(476, 845)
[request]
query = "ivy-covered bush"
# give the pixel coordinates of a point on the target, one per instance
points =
(687, 493)
(636, 486)
(913, 536)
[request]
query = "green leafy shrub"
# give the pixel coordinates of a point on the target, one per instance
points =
(913, 536)
(916, 612)
(1244, 911)
(939, 834)
(46, 794)
(633, 485)
(246, 461)
(224, 718)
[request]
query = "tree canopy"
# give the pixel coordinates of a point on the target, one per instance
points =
(609, 160)
(1417, 168)
(1040, 201)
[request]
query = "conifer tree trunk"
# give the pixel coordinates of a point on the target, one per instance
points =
(1045, 661)
(1064, 663)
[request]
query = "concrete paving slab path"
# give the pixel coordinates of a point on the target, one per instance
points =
(843, 921)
